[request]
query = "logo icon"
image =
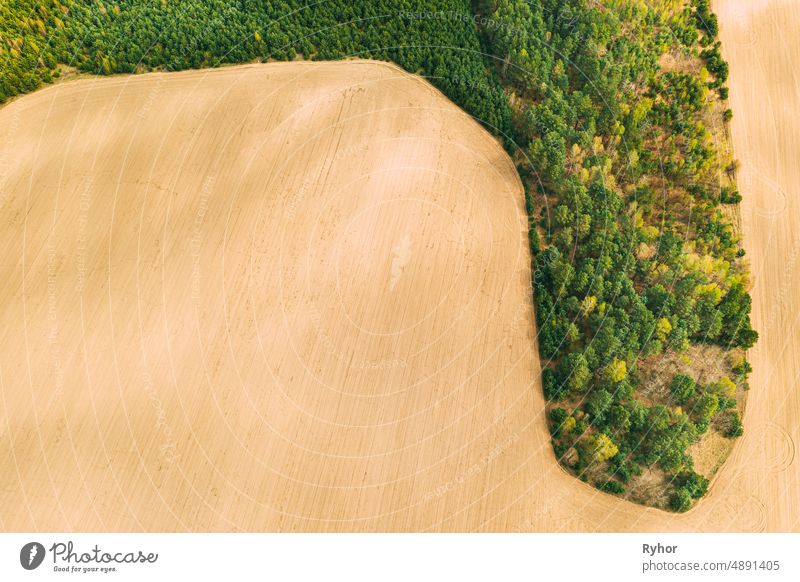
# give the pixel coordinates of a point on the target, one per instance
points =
(31, 555)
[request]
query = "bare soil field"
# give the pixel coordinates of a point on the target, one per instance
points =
(276, 297)
(296, 297)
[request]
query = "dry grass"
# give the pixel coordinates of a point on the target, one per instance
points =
(704, 363)
(649, 488)
(710, 453)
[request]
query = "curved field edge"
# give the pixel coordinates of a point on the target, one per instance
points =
(304, 307)
(640, 279)
(615, 129)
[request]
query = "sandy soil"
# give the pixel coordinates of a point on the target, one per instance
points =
(296, 297)
(270, 297)
(761, 43)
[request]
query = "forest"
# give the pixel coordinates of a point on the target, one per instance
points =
(614, 112)
(618, 109)
(435, 38)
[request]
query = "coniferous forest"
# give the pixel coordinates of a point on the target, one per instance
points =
(614, 112)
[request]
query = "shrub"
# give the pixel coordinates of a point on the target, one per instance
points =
(612, 487)
(680, 501)
(726, 403)
(706, 407)
(553, 389)
(725, 387)
(743, 369)
(729, 196)
(682, 388)
(617, 370)
(694, 484)
(601, 447)
(573, 370)
(597, 405)
(557, 418)
(732, 424)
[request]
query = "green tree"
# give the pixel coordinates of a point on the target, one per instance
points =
(680, 501)
(695, 485)
(617, 370)
(601, 448)
(574, 372)
(705, 408)
(682, 388)
(598, 403)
